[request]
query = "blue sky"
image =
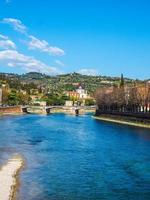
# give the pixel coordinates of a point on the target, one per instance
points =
(90, 36)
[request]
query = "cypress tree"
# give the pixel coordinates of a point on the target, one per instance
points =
(122, 81)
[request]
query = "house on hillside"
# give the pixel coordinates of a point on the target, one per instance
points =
(82, 93)
(69, 103)
(73, 94)
(1, 98)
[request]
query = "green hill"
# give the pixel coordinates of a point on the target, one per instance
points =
(60, 83)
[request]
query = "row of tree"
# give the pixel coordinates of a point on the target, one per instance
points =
(15, 97)
(60, 99)
(55, 99)
(124, 99)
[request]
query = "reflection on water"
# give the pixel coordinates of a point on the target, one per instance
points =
(72, 158)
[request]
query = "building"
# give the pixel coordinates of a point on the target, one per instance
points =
(38, 103)
(76, 84)
(73, 94)
(1, 97)
(4, 90)
(34, 92)
(69, 103)
(79, 94)
(23, 92)
(82, 93)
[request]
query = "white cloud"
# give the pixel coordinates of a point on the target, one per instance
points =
(33, 43)
(43, 46)
(16, 24)
(3, 37)
(58, 62)
(85, 71)
(5, 43)
(13, 58)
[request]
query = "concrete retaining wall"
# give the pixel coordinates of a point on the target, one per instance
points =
(10, 110)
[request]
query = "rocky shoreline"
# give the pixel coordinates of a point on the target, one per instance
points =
(9, 177)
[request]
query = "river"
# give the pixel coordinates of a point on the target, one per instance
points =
(77, 158)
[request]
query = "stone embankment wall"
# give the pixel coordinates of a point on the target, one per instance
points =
(10, 110)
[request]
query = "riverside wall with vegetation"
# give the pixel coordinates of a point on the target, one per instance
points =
(124, 104)
(125, 119)
(10, 110)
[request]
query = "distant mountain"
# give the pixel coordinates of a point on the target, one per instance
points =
(33, 75)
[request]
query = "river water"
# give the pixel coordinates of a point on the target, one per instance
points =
(77, 158)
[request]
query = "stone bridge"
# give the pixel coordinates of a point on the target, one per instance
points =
(75, 110)
(39, 109)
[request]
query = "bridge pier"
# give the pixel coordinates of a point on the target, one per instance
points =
(77, 112)
(48, 110)
(24, 109)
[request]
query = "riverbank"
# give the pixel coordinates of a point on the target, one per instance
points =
(11, 110)
(9, 177)
(11, 114)
(123, 120)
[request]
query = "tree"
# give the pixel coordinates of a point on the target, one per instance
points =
(133, 102)
(89, 102)
(122, 81)
(13, 98)
(55, 99)
(122, 99)
(24, 99)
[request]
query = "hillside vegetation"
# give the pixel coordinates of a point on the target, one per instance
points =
(60, 83)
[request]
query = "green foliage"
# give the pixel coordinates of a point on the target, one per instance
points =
(24, 99)
(55, 99)
(55, 86)
(18, 98)
(89, 102)
(122, 81)
(13, 98)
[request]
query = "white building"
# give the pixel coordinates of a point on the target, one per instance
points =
(69, 103)
(82, 92)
